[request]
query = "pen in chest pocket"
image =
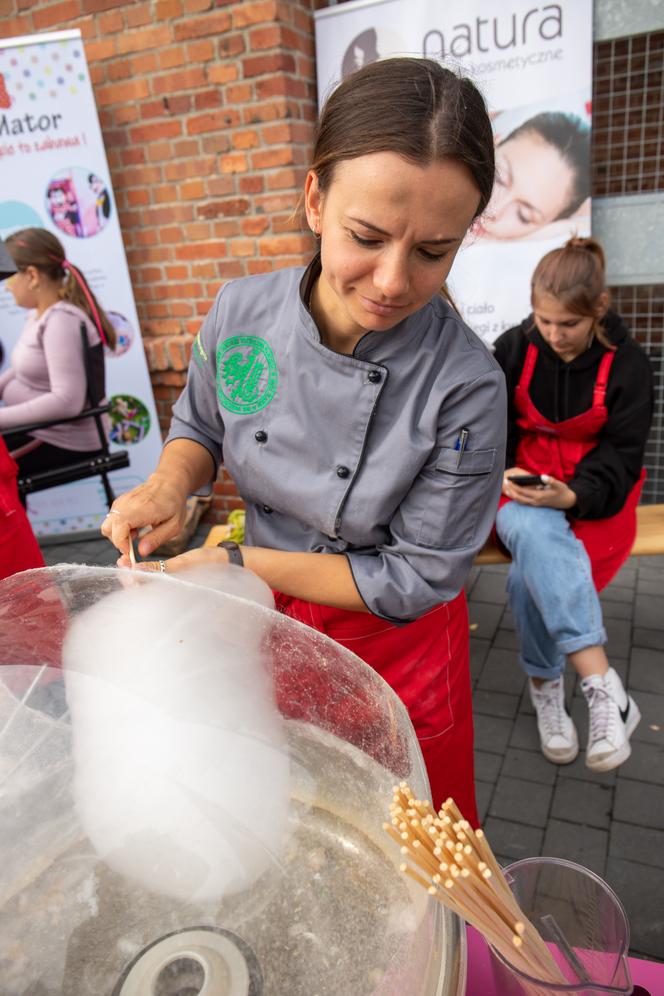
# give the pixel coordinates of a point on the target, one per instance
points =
(460, 445)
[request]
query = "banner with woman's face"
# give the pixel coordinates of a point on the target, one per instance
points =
(542, 170)
(534, 66)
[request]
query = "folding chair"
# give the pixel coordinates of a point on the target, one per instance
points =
(102, 462)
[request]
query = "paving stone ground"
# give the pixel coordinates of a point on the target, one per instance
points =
(612, 823)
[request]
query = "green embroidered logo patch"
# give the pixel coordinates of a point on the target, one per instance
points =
(246, 374)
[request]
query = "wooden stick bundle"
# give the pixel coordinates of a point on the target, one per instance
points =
(456, 866)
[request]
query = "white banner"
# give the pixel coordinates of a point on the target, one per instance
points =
(54, 175)
(534, 67)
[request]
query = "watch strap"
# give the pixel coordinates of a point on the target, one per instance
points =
(234, 552)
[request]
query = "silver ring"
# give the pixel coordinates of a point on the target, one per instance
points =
(162, 566)
(114, 511)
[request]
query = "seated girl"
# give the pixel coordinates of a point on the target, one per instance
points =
(580, 405)
(47, 378)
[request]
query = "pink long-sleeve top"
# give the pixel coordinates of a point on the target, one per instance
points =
(46, 378)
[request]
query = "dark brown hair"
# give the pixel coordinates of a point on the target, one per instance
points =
(575, 275)
(40, 248)
(570, 136)
(414, 107)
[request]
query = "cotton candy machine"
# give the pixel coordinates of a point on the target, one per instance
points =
(192, 792)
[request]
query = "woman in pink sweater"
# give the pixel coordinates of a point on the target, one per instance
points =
(19, 550)
(46, 379)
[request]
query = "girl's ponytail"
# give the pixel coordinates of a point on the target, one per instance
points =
(76, 290)
(40, 248)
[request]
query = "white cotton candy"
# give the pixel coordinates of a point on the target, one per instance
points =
(181, 769)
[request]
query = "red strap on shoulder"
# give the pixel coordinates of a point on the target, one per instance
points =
(599, 392)
(528, 367)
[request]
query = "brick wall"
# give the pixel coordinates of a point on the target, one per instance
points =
(207, 112)
(643, 309)
(628, 158)
(628, 115)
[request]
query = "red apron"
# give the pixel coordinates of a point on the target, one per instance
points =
(556, 448)
(19, 550)
(426, 662)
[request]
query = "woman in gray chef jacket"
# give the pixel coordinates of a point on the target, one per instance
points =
(362, 422)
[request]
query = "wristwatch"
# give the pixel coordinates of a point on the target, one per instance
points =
(234, 552)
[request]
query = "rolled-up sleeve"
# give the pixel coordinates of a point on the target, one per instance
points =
(445, 518)
(196, 413)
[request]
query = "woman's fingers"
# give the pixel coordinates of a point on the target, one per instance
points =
(137, 511)
(185, 561)
(531, 496)
(158, 535)
(118, 530)
(526, 496)
(145, 566)
(107, 524)
(153, 566)
(202, 556)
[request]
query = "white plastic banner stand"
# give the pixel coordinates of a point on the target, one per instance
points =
(54, 174)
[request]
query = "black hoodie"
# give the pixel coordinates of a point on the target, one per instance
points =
(559, 390)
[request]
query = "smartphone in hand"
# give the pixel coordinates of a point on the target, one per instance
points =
(527, 480)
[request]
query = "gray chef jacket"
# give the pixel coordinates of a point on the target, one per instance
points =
(362, 454)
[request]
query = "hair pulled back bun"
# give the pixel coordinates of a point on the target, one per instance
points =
(575, 275)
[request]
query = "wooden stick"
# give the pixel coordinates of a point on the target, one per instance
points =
(487, 853)
(458, 868)
(423, 856)
(451, 809)
(394, 834)
(407, 870)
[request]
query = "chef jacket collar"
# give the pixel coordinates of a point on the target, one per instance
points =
(374, 346)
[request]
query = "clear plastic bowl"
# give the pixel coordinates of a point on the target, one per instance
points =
(192, 792)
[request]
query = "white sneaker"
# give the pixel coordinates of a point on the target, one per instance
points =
(614, 715)
(558, 738)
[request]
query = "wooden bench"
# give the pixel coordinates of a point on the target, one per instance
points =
(649, 537)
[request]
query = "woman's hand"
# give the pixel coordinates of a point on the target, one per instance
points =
(160, 503)
(552, 494)
(204, 556)
(157, 503)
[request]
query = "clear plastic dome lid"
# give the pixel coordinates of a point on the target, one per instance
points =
(192, 793)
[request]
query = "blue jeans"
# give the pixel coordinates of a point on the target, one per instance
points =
(551, 593)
